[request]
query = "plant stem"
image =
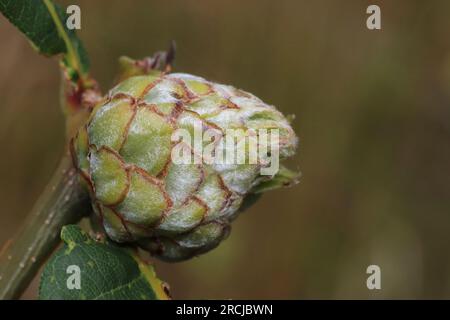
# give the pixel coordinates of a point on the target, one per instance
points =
(71, 54)
(62, 202)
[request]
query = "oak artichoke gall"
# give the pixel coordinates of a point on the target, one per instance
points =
(124, 157)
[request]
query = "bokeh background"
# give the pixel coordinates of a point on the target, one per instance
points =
(372, 112)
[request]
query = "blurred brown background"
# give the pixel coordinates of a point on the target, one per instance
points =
(373, 116)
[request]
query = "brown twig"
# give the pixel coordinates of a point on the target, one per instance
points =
(62, 202)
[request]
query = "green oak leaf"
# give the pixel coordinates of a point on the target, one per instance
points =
(106, 272)
(43, 23)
